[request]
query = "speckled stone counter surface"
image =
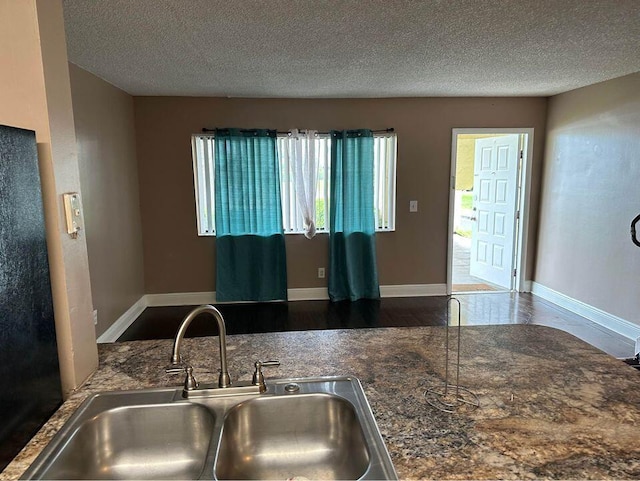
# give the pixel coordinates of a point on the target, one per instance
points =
(551, 405)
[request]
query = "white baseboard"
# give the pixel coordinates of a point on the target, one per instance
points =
(196, 298)
(413, 290)
(407, 290)
(527, 286)
(123, 322)
(308, 294)
(623, 327)
(181, 299)
(300, 294)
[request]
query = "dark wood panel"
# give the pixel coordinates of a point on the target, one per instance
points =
(29, 373)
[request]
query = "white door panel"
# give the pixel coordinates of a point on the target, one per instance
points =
(494, 192)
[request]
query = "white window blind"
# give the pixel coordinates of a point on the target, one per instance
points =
(385, 153)
(384, 181)
(203, 151)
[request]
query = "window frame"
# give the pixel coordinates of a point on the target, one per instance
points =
(385, 181)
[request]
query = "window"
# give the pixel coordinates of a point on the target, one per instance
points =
(385, 146)
(291, 215)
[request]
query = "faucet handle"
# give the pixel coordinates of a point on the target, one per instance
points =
(258, 377)
(190, 382)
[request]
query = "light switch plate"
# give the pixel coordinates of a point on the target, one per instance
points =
(72, 213)
(413, 206)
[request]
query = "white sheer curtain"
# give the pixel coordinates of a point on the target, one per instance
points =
(304, 171)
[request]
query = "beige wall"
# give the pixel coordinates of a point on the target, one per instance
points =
(104, 122)
(591, 193)
(177, 260)
(35, 95)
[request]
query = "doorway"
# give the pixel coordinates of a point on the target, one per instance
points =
(488, 209)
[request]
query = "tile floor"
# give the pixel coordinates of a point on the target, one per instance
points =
(476, 309)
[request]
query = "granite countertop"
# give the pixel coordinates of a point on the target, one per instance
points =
(551, 406)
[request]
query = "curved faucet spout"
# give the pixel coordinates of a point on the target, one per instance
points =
(224, 380)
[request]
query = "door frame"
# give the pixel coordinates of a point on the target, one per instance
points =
(524, 197)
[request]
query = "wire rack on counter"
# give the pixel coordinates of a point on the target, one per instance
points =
(450, 397)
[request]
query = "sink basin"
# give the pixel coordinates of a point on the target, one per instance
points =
(168, 441)
(317, 436)
(318, 428)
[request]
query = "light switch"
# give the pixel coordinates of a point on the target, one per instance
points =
(413, 206)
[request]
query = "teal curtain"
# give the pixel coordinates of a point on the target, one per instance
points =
(353, 273)
(250, 250)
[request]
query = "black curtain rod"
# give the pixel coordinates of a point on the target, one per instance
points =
(391, 129)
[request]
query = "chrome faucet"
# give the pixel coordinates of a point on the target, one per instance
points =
(191, 387)
(224, 379)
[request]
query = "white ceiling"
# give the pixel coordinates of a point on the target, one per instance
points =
(351, 48)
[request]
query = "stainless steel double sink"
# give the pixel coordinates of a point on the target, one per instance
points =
(316, 428)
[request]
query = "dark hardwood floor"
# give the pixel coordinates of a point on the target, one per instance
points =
(476, 309)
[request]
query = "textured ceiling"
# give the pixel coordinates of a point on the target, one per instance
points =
(353, 48)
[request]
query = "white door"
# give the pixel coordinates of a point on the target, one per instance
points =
(495, 185)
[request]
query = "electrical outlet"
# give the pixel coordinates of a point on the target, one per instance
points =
(413, 206)
(95, 317)
(320, 272)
